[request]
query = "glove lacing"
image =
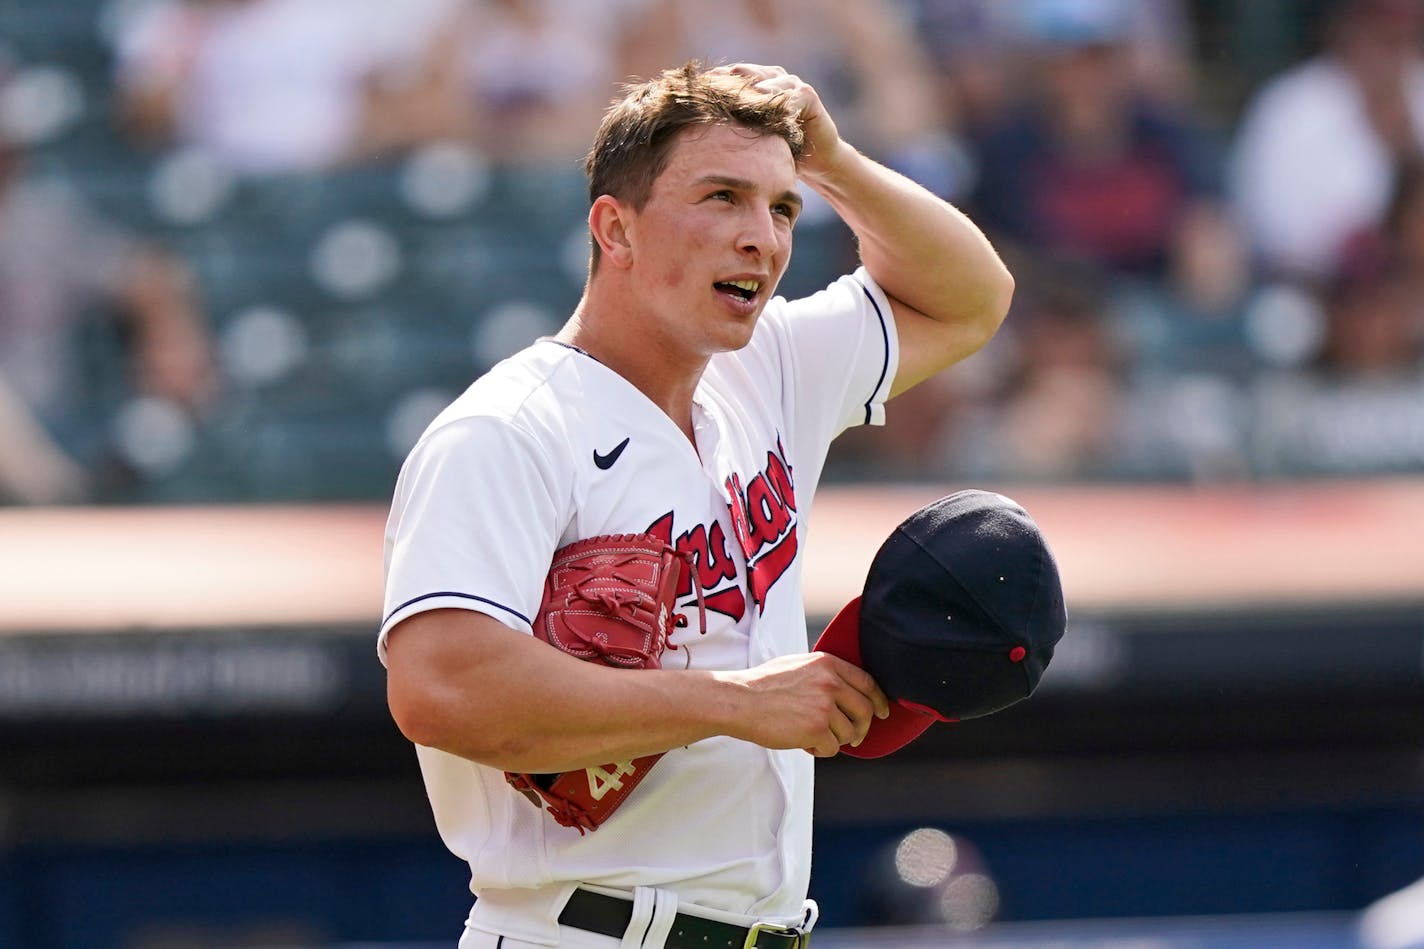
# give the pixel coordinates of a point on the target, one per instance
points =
(680, 619)
(623, 603)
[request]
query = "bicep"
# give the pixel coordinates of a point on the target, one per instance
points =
(448, 666)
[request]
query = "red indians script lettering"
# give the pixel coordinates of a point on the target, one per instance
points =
(764, 520)
(713, 562)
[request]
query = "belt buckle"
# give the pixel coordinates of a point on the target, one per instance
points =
(774, 929)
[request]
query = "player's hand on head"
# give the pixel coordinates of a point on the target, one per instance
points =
(823, 139)
(814, 701)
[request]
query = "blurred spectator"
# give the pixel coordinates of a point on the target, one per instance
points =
(1194, 354)
(1397, 239)
(1092, 174)
(1373, 330)
(862, 56)
(1403, 228)
(1161, 43)
(33, 469)
(1358, 408)
(60, 264)
(1087, 165)
(1196, 318)
(526, 81)
(268, 86)
(1318, 147)
(1058, 409)
(971, 46)
(976, 46)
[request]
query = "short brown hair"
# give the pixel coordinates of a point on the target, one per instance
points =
(638, 131)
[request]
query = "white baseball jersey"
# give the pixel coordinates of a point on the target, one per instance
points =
(550, 447)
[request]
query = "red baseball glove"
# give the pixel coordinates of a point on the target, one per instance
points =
(608, 599)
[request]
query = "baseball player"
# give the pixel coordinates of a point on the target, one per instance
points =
(681, 402)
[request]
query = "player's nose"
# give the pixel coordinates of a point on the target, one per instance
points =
(759, 237)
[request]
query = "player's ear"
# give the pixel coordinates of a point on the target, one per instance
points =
(608, 223)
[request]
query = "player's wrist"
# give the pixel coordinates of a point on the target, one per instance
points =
(728, 704)
(823, 167)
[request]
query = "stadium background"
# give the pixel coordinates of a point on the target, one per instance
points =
(194, 749)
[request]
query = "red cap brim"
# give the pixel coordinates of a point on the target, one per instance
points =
(842, 638)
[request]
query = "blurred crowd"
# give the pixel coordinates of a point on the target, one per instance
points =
(1214, 210)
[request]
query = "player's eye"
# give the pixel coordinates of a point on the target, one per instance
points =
(785, 210)
(723, 195)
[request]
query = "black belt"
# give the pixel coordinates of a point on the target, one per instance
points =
(610, 916)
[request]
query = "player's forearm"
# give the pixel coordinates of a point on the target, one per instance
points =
(602, 715)
(464, 683)
(468, 686)
(596, 715)
(920, 249)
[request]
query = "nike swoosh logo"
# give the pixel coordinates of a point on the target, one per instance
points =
(606, 461)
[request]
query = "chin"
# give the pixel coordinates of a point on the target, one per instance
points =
(738, 336)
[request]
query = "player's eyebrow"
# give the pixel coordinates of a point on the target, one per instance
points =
(742, 184)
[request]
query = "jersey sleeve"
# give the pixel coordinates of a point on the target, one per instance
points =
(839, 352)
(474, 522)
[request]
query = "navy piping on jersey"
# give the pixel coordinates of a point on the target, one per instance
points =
(559, 342)
(464, 596)
(885, 336)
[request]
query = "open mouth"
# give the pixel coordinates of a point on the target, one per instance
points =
(745, 289)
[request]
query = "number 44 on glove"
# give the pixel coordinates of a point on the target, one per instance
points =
(608, 599)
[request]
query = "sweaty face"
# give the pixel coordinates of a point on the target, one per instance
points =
(714, 238)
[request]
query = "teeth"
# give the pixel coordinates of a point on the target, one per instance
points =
(751, 286)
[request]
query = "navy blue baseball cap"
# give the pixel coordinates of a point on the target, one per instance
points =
(958, 618)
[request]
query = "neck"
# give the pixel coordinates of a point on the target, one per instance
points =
(617, 338)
